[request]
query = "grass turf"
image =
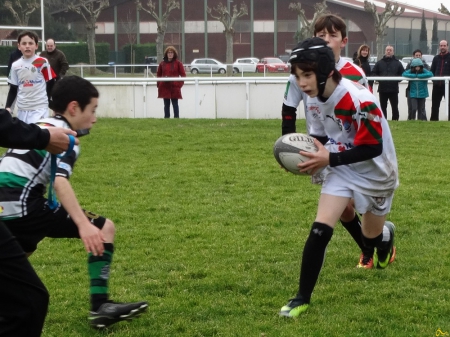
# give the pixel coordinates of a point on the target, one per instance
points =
(210, 232)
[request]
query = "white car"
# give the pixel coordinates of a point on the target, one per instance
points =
(207, 65)
(245, 65)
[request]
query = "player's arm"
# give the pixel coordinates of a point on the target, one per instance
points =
(12, 94)
(91, 236)
(323, 157)
(288, 119)
(19, 135)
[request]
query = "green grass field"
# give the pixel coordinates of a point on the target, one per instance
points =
(210, 232)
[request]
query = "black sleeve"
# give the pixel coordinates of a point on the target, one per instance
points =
(322, 139)
(288, 118)
(19, 135)
(355, 155)
(12, 94)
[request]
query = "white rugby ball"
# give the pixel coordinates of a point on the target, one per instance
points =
(286, 151)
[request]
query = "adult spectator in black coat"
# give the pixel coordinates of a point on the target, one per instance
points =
(388, 90)
(56, 58)
(13, 57)
(439, 67)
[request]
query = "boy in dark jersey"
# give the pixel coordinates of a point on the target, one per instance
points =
(356, 146)
(24, 177)
(333, 30)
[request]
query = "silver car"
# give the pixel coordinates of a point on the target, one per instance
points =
(207, 65)
(245, 65)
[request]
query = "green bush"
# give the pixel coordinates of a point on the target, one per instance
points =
(140, 51)
(5, 51)
(78, 52)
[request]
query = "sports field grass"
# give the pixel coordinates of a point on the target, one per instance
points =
(210, 232)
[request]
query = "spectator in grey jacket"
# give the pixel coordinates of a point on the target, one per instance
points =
(388, 90)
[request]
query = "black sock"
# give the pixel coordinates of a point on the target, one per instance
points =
(313, 258)
(98, 267)
(372, 243)
(354, 228)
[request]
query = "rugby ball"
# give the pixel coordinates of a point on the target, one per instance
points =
(286, 151)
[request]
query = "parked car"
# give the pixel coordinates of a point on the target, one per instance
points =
(372, 61)
(152, 64)
(272, 65)
(428, 58)
(207, 65)
(246, 64)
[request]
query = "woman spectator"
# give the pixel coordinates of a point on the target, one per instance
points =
(170, 91)
(362, 60)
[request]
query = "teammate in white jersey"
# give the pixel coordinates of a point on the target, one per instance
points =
(31, 78)
(333, 30)
(360, 153)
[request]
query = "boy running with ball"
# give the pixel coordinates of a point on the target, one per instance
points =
(355, 142)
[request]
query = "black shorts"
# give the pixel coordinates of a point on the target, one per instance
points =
(31, 229)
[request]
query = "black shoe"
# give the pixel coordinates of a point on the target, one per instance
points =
(112, 312)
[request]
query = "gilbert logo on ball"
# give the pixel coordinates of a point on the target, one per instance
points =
(286, 151)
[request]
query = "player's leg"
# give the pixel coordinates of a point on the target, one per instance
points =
(329, 209)
(104, 312)
(166, 107)
(352, 223)
(24, 298)
(176, 108)
(377, 232)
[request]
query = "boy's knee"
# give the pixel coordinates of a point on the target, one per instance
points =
(109, 230)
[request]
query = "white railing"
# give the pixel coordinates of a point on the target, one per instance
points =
(211, 97)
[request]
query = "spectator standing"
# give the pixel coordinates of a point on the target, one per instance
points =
(30, 79)
(362, 60)
(388, 90)
(416, 54)
(418, 89)
(13, 57)
(56, 58)
(439, 67)
(170, 91)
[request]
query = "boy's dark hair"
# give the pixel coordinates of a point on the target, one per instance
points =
(314, 55)
(30, 34)
(69, 89)
(332, 23)
(417, 51)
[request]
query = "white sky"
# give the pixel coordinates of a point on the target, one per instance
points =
(427, 4)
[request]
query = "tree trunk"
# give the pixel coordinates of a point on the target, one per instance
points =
(229, 57)
(91, 47)
(160, 46)
(380, 51)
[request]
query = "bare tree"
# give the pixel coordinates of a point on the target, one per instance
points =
(444, 10)
(381, 19)
(161, 22)
(90, 11)
(21, 10)
(228, 20)
(307, 26)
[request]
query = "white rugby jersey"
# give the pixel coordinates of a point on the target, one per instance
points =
(350, 117)
(293, 95)
(25, 174)
(31, 75)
